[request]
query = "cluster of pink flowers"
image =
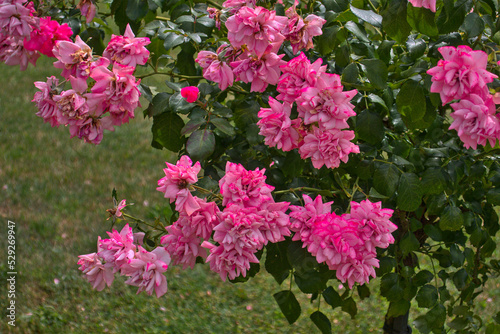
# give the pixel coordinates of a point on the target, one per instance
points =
(462, 75)
(323, 109)
(123, 253)
(229, 239)
(24, 36)
(108, 100)
(249, 220)
(256, 34)
(345, 243)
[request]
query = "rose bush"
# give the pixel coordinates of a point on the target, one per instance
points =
(385, 109)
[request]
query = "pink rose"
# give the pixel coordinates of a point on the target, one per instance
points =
(190, 93)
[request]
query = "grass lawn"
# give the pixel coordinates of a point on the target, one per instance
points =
(57, 190)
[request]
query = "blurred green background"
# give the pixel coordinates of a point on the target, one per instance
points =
(57, 190)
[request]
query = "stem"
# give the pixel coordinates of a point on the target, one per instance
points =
(142, 222)
(206, 191)
(303, 189)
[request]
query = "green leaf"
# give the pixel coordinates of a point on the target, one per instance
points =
(349, 306)
(350, 73)
(473, 25)
(186, 65)
(436, 316)
(276, 261)
(363, 291)
(386, 178)
(200, 144)
(254, 270)
(337, 6)
(422, 277)
(411, 101)
(390, 287)
(166, 131)
(356, 30)
(160, 104)
(436, 203)
(223, 125)
(192, 125)
(93, 37)
(245, 112)
(416, 47)
(409, 243)
(398, 308)
(422, 20)
(327, 42)
(409, 192)
(332, 297)
(300, 258)
(457, 257)
(293, 165)
(493, 196)
(178, 104)
(384, 51)
(368, 16)
(452, 15)
(427, 296)
(172, 40)
(451, 219)
(375, 194)
(288, 304)
(322, 322)
(376, 72)
(311, 281)
(386, 264)
(460, 278)
(433, 181)
(369, 127)
(137, 9)
(395, 22)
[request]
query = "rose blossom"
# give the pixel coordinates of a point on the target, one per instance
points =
(127, 49)
(215, 68)
(328, 148)
(276, 126)
(190, 93)
(258, 29)
(475, 121)
(44, 99)
(87, 9)
(462, 72)
(298, 74)
(43, 39)
(429, 4)
(243, 187)
(260, 72)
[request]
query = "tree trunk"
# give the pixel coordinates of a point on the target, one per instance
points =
(397, 325)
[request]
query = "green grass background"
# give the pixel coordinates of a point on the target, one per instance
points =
(57, 190)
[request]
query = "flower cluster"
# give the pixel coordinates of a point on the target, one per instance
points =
(345, 243)
(256, 35)
(250, 218)
(123, 253)
(104, 92)
(323, 109)
(24, 36)
(462, 75)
